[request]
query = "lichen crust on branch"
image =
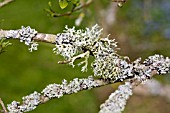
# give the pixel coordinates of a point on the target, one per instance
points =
(108, 67)
(25, 34)
(141, 72)
(156, 64)
(31, 101)
(73, 44)
(117, 100)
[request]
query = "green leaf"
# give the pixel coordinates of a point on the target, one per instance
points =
(3, 45)
(63, 3)
(74, 1)
(49, 3)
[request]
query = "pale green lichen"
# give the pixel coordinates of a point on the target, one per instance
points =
(25, 34)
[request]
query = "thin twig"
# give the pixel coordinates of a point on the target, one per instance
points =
(119, 1)
(5, 2)
(3, 107)
(54, 14)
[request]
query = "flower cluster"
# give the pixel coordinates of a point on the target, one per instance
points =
(117, 100)
(25, 34)
(29, 103)
(57, 90)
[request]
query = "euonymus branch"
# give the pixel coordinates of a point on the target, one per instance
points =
(108, 67)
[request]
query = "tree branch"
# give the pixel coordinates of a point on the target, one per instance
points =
(107, 65)
(31, 101)
(5, 2)
(57, 90)
(3, 107)
(54, 14)
(40, 37)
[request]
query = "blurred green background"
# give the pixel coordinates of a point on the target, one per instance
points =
(141, 28)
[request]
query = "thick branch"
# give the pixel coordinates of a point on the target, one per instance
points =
(54, 91)
(57, 90)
